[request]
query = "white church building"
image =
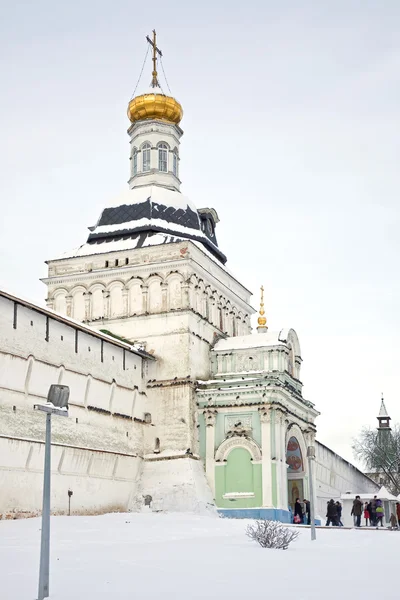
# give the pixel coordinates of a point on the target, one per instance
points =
(174, 402)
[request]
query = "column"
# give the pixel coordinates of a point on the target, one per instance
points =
(106, 300)
(210, 416)
(281, 472)
(186, 295)
(265, 418)
(145, 296)
(164, 297)
(87, 305)
(68, 303)
(285, 498)
(125, 293)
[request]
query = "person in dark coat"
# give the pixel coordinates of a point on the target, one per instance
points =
(298, 512)
(372, 512)
(357, 510)
(307, 511)
(331, 513)
(339, 513)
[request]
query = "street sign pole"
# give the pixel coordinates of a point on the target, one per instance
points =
(44, 570)
(57, 404)
(311, 458)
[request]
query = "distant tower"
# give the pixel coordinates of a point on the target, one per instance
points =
(384, 428)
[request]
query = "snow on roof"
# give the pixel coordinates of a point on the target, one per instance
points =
(384, 494)
(160, 195)
(254, 340)
(131, 243)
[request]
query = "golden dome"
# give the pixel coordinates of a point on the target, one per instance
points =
(155, 106)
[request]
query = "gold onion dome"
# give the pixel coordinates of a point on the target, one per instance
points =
(154, 105)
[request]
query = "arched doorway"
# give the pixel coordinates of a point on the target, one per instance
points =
(295, 462)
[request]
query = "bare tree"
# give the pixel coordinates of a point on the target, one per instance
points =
(381, 454)
(271, 534)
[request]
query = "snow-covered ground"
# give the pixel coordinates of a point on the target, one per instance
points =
(178, 556)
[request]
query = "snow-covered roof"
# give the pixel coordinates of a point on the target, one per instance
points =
(139, 240)
(254, 340)
(382, 494)
(150, 209)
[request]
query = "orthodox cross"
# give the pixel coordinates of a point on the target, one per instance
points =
(153, 44)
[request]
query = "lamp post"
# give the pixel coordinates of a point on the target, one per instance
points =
(311, 458)
(57, 404)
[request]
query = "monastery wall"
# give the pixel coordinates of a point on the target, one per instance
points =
(335, 476)
(100, 481)
(98, 448)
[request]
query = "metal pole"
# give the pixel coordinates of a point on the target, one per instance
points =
(44, 570)
(311, 457)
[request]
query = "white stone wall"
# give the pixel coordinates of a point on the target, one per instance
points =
(336, 476)
(107, 406)
(100, 481)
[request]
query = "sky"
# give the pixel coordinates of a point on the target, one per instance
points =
(291, 121)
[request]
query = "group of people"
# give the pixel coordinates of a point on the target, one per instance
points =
(302, 516)
(334, 513)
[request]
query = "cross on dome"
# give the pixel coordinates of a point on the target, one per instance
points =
(154, 104)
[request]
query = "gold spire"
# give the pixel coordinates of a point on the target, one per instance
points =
(262, 320)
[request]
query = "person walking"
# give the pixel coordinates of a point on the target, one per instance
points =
(307, 511)
(398, 512)
(298, 512)
(331, 514)
(356, 511)
(366, 514)
(339, 513)
(379, 513)
(372, 512)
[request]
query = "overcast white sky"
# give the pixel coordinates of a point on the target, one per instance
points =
(292, 120)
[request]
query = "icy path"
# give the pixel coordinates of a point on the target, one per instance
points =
(174, 557)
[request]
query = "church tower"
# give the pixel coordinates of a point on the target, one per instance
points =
(384, 428)
(151, 272)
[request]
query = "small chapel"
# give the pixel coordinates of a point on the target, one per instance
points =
(175, 403)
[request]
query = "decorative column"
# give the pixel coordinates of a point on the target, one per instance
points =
(125, 293)
(281, 473)
(210, 416)
(106, 300)
(68, 304)
(265, 418)
(145, 298)
(164, 297)
(86, 296)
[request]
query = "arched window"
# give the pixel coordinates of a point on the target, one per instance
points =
(134, 162)
(146, 148)
(175, 164)
(163, 158)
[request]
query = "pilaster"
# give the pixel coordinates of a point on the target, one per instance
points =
(210, 416)
(265, 418)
